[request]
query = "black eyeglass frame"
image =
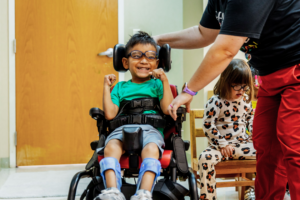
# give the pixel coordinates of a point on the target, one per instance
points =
(143, 54)
(241, 87)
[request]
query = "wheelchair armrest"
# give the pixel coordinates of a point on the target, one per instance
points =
(94, 145)
(96, 113)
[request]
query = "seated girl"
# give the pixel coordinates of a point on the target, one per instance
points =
(227, 115)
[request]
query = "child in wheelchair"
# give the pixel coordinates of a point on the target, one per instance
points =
(227, 115)
(142, 63)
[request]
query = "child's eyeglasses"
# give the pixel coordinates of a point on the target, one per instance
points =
(239, 87)
(136, 54)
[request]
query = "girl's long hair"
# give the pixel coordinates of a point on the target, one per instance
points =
(237, 72)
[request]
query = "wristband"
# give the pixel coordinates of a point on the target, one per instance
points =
(187, 90)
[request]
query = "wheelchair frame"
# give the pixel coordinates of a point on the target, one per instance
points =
(172, 172)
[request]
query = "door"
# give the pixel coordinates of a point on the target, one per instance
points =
(59, 76)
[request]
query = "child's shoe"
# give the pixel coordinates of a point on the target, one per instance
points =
(287, 195)
(142, 195)
(110, 194)
(250, 194)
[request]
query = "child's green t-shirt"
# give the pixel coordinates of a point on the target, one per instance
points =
(127, 90)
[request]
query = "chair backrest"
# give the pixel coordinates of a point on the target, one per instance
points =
(210, 93)
(196, 132)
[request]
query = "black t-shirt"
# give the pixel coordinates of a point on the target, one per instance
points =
(272, 28)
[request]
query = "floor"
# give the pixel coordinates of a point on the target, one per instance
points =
(223, 193)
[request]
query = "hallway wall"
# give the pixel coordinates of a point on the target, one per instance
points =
(4, 115)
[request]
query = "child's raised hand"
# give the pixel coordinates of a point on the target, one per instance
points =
(227, 151)
(159, 74)
(109, 79)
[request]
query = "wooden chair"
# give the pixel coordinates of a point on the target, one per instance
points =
(241, 170)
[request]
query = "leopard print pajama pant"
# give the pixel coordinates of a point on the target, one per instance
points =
(212, 156)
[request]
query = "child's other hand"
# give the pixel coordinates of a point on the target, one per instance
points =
(249, 139)
(227, 151)
(109, 79)
(159, 74)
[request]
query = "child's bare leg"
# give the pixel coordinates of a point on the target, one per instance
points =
(149, 151)
(114, 148)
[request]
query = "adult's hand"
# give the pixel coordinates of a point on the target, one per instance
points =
(181, 99)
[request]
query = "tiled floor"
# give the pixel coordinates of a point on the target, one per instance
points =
(223, 193)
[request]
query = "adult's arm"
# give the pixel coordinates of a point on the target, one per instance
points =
(190, 38)
(214, 63)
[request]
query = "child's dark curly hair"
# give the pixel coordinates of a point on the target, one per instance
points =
(140, 37)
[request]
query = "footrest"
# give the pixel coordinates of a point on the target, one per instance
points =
(180, 156)
(168, 190)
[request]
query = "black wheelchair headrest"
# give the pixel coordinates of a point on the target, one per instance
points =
(164, 56)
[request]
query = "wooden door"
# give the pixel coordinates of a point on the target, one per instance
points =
(59, 76)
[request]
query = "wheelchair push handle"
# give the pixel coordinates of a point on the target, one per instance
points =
(181, 110)
(96, 113)
(181, 114)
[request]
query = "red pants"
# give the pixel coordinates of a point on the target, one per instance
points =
(276, 135)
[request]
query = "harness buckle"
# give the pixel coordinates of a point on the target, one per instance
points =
(137, 119)
(148, 102)
(136, 103)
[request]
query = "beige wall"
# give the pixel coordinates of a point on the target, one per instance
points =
(156, 17)
(192, 13)
(4, 126)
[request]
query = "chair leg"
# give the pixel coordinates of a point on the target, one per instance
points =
(250, 177)
(236, 188)
(195, 173)
(242, 193)
(243, 188)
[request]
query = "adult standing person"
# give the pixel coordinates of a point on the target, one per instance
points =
(268, 31)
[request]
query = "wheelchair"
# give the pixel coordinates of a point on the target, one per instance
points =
(173, 161)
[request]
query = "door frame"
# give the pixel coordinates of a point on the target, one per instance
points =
(12, 74)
